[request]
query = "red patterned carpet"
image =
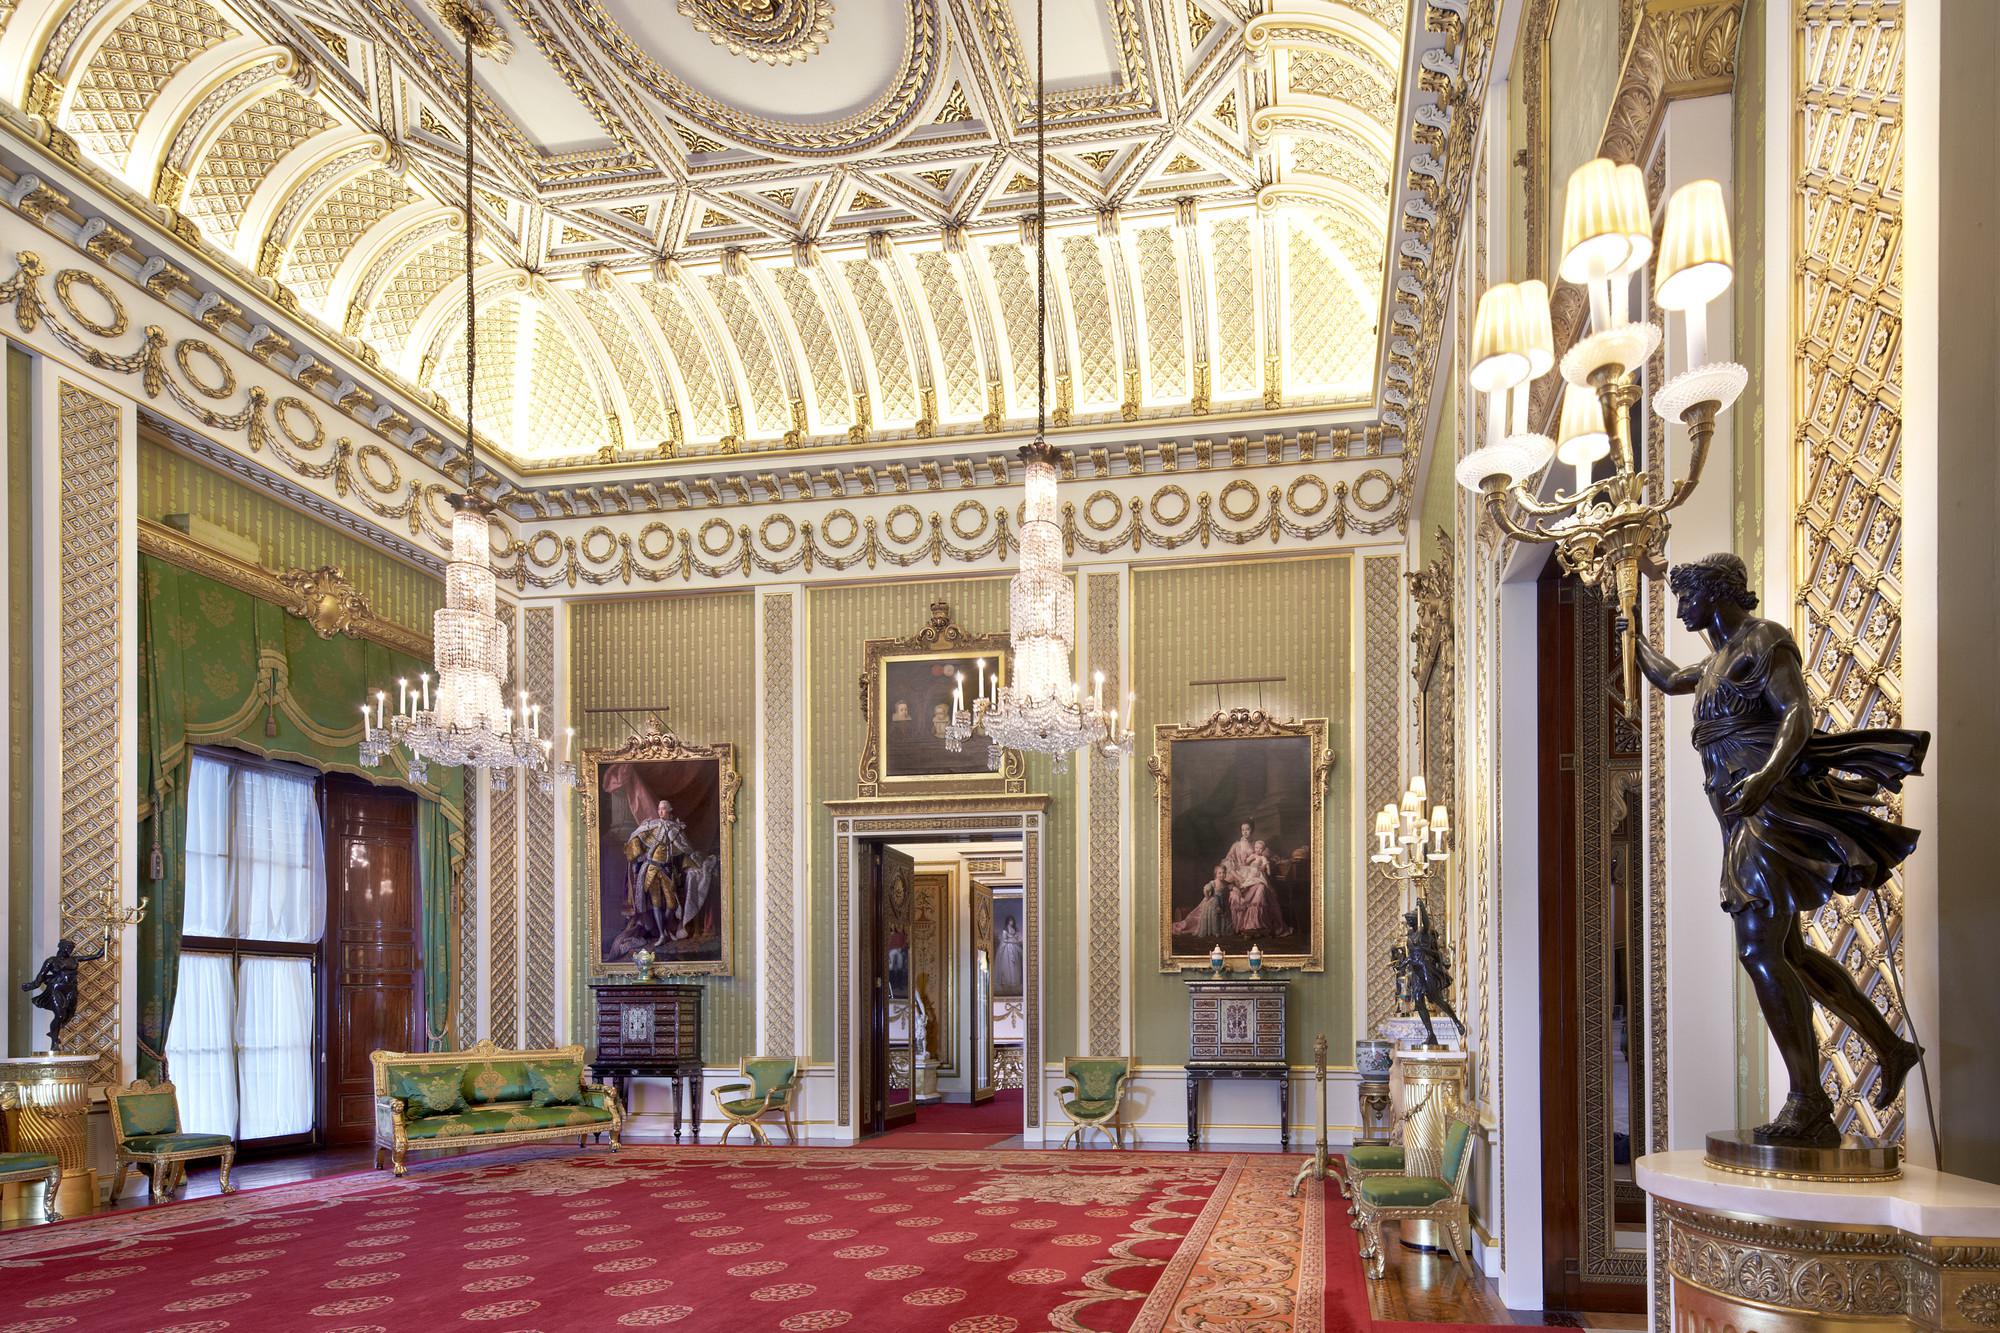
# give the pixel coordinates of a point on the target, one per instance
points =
(712, 1238)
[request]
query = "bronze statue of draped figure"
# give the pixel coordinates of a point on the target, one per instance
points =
(1797, 810)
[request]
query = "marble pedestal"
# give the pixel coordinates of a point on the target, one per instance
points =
(46, 1100)
(1766, 1255)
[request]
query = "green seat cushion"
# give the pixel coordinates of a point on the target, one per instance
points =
(1376, 1156)
(556, 1083)
(172, 1143)
(1090, 1108)
(488, 1081)
(743, 1106)
(430, 1089)
(470, 1124)
(147, 1113)
(1402, 1191)
(1096, 1080)
(10, 1162)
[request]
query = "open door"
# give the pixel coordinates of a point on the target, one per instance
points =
(979, 1073)
(889, 1057)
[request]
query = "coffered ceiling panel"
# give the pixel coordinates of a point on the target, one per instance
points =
(712, 227)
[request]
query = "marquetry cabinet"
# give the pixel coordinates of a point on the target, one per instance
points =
(650, 1029)
(1236, 1030)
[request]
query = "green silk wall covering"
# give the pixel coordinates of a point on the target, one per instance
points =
(838, 622)
(694, 654)
(220, 667)
(172, 483)
(1285, 618)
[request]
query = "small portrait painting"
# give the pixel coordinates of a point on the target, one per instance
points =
(1010, 943)
(920, 693)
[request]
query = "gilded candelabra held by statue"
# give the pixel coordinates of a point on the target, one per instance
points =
(1423, 972)
(55, 981)
(1797, 813)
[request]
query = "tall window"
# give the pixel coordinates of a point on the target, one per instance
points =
(241, 1047)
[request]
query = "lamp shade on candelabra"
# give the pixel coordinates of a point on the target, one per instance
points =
(1500, 335)
(1514, 459)
(1696, 262)
(1607, 225)
(1580, 437)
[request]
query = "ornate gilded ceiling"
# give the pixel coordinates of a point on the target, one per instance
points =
(736, 226)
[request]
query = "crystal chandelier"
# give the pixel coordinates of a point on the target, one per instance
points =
(1604, 530)
(1040, 709)
(462, 719)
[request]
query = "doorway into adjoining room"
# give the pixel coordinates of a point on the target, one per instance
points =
(949, 932)
(938, 953)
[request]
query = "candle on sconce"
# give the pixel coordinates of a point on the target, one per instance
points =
(426, 679)
(403, 694)
(1097, 692)
(380, 697)
(535, 721)
(367, 723)
(982, 677)
(569, 737)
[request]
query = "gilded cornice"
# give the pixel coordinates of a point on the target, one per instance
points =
(297, 591)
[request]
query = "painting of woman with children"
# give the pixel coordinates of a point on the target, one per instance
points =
(1241, 829)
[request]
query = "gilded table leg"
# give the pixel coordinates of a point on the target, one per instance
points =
(228, 1160)
(50, 1208)
(158, 1181)
(118, 1181)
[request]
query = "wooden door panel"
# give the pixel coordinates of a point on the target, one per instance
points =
(374, 945)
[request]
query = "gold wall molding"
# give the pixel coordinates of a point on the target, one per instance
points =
(538, 807)
(1382, 751)
(90, 654)
(503, 878)
(779, 886)
(298, 591)
(1103, 992)
(1846, 317)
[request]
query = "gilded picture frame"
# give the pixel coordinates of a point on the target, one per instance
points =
(700, 782)
(1242, 767)
(917, 672)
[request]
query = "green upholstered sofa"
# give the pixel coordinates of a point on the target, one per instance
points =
(430, 1101)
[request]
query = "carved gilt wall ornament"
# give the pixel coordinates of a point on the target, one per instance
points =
(776, 32)
(324, 599)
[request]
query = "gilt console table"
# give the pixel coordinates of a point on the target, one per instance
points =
(46, 1099)
(1236, 1030)
(650, 1029)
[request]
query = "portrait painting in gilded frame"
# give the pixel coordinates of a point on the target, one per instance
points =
(658, 813)
(908, 691)
(1242, 839)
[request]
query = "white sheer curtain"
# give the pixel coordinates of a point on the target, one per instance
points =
(275, 858)
(274, 1046)
(241, 1043)
(201, 1043)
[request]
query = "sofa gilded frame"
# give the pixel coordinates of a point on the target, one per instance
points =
(391, 1128)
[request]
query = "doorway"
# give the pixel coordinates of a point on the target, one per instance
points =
(947, 968)
(910, 947)
(1590, 758)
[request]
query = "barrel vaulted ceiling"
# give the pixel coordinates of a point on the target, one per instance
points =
(728, 226)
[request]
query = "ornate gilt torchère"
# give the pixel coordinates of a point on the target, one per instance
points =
(1605, 529)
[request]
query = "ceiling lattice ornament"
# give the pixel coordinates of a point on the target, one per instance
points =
(739, 252)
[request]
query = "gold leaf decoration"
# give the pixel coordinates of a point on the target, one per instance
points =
(332, 41)
(863, 201)
(1200, 23)
(956, 108)
(1183, 165)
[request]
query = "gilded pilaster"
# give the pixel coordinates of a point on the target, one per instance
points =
(1382, 641)
(1105, 857)
(777, 792)
(538, 881)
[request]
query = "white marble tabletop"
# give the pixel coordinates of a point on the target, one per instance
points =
(1923, 1203)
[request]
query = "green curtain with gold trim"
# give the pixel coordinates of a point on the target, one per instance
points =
(221, 667)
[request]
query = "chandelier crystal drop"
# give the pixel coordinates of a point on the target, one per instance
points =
(1040, 710)
(461, 718)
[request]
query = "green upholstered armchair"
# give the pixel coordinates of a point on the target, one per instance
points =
(16, 1167)
(1093, 1094)
(771, 1092)
(1394, 1197)
(146, 1118)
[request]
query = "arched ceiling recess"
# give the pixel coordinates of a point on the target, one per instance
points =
(707, 230)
